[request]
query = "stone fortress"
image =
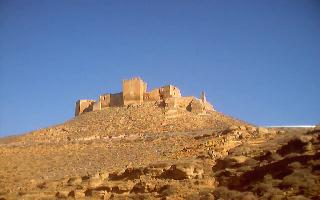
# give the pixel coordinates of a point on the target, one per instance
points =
(134, 92)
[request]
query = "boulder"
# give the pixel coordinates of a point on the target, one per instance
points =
(79, 194)
(305, 138)
(63, 194)
(95, 181)
(182, 171)
(75, 181)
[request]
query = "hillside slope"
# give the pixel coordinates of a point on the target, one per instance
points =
(119, 121)
(152, 153)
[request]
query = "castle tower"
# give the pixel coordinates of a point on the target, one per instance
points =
(133, 90)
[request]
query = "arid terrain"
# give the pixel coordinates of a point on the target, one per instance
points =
(147, 152)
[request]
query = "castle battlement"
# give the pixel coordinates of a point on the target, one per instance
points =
(134, 92)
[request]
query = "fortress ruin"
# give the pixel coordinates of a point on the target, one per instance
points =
(134, 92)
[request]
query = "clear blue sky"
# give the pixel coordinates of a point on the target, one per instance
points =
(256, 60)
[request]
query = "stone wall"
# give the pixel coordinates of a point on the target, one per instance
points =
(111, 100)
(153, 95)
(116, 100)
(84, 106)
(183, 102)
(178, 102)
(208, 106)
(169, 91)
(105, 100)
(96, 106)
(165, 92)
(191, 104)
(133, 91)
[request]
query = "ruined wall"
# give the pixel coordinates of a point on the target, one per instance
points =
(183, 102)
(178, 102)
(96, 106)
(169, 91)
(153, 95)
(191, 104)
(105, 100)
(111, 100)
(208, 106)
(164, 92)
(196, 106)
(116, 100)
(84, 106)
(133, 91)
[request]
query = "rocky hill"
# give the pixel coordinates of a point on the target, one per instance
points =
(125, 121)
(148, 152)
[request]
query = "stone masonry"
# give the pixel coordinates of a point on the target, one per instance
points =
(134, 92)
(84, 106)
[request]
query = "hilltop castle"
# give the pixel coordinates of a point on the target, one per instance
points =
(134, 92)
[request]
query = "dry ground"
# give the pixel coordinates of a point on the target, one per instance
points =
(151, 153)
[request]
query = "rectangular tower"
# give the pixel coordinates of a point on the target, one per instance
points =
(133, 90)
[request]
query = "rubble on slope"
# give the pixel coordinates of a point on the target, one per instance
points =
(239, 162)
